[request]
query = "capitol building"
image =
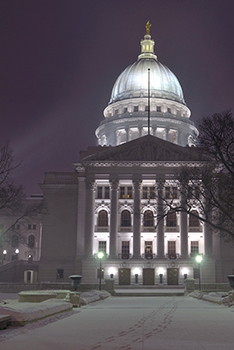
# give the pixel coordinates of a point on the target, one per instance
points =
(111, 200)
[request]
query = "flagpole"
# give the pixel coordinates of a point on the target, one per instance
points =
(148, 101)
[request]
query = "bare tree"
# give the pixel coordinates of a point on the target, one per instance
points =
(207, 188)
(13, 202)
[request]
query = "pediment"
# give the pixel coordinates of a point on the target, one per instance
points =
(147, 148)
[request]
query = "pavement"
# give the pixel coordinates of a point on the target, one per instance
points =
(136, 323)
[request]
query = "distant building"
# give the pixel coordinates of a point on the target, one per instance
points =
(21, 237)
(110, 201)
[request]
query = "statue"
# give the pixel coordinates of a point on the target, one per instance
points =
(148, 25)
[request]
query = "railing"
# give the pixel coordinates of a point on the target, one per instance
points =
(125, 228)
(148, 229)
(124, 256)
(195, 229)
(148, 256)
(171, 228)
(101, 228)
(172, 256)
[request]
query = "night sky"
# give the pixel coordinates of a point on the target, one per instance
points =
(60, 58)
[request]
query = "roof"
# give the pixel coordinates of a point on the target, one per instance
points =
(146, 148)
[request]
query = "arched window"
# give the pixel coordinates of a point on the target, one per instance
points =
(171, 219)
(31, 241)
(148, 220)
(102, 218)
(193, 220)
(125, 218)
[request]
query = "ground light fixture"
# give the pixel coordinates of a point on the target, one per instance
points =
(199, 259)
(100, 257)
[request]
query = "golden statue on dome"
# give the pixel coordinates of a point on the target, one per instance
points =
(148, 25)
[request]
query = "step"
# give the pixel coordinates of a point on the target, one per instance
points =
(149, 292)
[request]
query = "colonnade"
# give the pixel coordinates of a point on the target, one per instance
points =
(114, 185)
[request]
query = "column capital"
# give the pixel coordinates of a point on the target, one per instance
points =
(90, 184)
(114, 184)
(137, 184)
(160, 182)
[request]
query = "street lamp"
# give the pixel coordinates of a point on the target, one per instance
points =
(100, 257)
(199, 260)
(16, 253)
(4, 254)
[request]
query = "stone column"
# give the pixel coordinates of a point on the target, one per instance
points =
(140, 131)
(89, 217)
(137, 220)
(208, 240)
(113, 218)
(127, 134)
(160, 226)
(183, 228)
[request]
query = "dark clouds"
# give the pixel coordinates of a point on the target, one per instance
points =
(60, 58)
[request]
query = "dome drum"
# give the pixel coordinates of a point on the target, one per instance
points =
(136, 105)
(169, 129)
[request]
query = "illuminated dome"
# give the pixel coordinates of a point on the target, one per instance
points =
(147, 98)
(133, 82)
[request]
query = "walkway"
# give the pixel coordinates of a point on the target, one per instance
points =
(150, 323)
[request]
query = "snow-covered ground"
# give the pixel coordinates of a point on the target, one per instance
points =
(130, 323)
(24, 312)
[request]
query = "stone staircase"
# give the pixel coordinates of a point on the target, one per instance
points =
(149, 291)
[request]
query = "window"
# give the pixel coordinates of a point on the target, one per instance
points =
(14, 241)
(129, 192)
(148, 192)
(145, 193)
(193, 192)
(107, 192)
(171, 247)
(146, 108)
(194, 248)
(116, 111)
(171, 219)
(34, 227)
(171, 192)
(168, 110)
(99, 192)
(125, 192)
(60, 274)
(135, 108)
(102, 218)
(31, 241)
(29, 226)
(125, 218)
(148, 249)
(103, 192)
(102, 246)
(122, 192)
(148, 220)
(152, 192)
(193, 220)
(158, 109)
(125, 110)
(125, 247)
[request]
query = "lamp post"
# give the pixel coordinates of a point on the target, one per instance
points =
(16, 253)
(100, 257)
(199, 260)
(4, 254)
